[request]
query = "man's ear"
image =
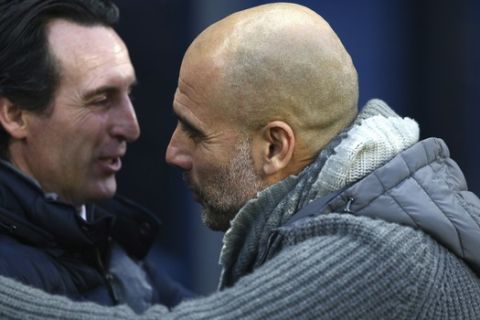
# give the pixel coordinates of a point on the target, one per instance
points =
(278, 146)
(12, 119)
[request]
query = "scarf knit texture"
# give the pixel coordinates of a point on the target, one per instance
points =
(337, 266)
(376, 136)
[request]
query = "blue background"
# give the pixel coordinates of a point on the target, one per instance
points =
(420, 56)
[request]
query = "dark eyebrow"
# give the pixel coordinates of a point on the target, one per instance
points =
(105, 89)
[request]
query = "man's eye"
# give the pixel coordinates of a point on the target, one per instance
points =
(192, 133)
(100, 101)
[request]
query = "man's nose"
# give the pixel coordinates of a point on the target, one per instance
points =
(126, 125)
(177, 152)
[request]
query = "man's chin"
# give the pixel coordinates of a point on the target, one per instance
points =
(103, 191)
(215, 221)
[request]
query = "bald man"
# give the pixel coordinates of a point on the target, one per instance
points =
(329, 214)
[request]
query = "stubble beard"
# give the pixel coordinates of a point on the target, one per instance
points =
(226, 191)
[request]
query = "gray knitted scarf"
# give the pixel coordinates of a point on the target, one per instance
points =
(376, 136)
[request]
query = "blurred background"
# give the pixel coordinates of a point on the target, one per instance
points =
(421, 56)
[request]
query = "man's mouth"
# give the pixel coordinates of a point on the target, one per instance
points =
(111, 164)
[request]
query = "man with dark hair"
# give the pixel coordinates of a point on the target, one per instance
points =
(66, 118)
(330, 213)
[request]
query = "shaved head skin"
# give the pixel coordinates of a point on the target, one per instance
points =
(275, 75)
(279, 61)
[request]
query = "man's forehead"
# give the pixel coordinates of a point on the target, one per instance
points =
(198, 94)
(68, 35)
(184, 113)
(85, 46)
(94, 55)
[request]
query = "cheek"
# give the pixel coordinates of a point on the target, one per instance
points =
(46, 145)
(201, 166)
(74, 150)
(208, 165)
(89, 132)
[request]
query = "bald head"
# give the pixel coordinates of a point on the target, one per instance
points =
(277, 62)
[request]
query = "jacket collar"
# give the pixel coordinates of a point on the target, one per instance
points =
(33, 217)
(422, 188)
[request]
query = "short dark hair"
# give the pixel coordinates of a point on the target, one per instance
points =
(28, 72)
